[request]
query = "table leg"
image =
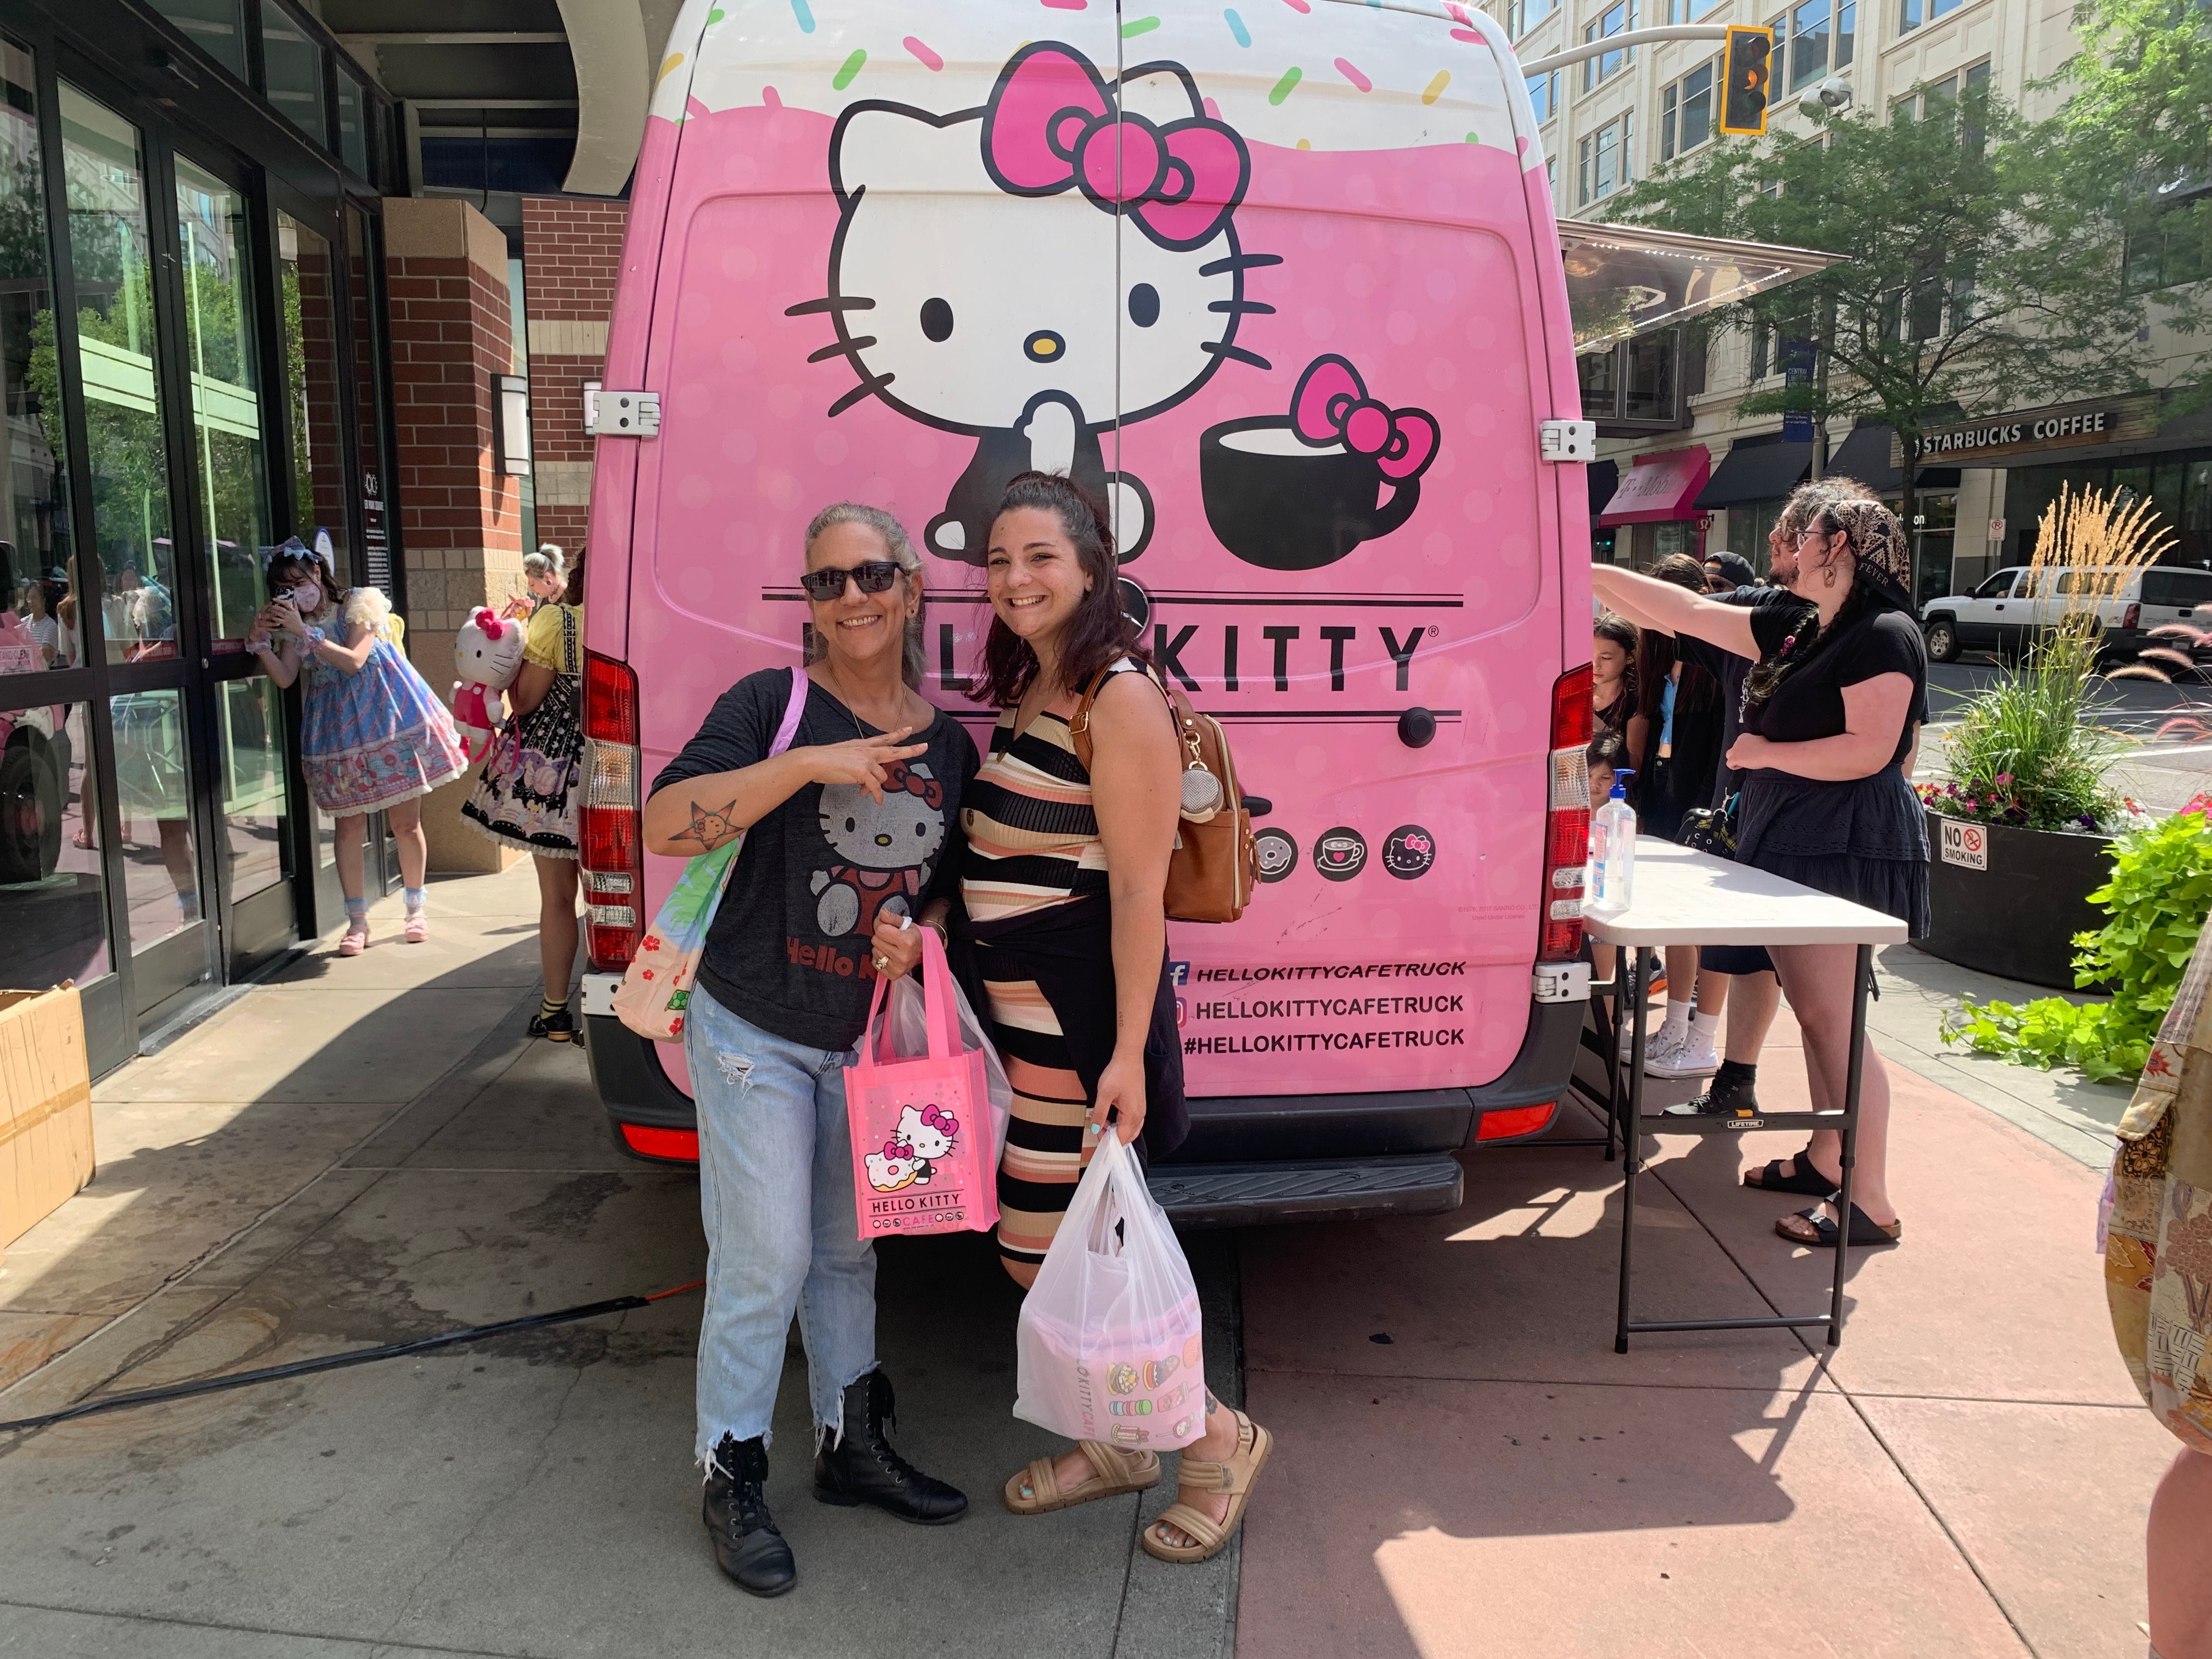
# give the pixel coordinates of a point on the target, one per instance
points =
(1631, 1138)
(1612, 1034)
(1854, 1077)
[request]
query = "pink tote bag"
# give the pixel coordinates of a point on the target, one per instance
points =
(925, 1158)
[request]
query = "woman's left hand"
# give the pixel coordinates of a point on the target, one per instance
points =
(1122, 1091)
(284, 619)
(896, 949)
(1751, 753)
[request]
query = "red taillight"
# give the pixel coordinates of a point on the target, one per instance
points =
(662, 1143)
(1566, 818)
(612, 852)
(2132, 617)
(1515, 1121)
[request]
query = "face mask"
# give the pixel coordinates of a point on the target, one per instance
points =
(306, 599)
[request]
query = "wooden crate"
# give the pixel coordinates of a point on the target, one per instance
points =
(46, 1106)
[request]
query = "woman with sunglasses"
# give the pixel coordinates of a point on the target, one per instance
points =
(1831, 708)
(851, 847)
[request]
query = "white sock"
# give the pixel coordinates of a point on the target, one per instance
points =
(1707, 1026)
(1678, 1014)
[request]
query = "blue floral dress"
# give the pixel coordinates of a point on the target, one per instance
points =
(375, 738)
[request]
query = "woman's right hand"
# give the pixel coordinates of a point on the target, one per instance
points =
(860, 761)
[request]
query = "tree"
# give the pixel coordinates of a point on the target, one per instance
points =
(1961, 289)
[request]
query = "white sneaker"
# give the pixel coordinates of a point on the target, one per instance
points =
(1693, 1055)
(1659, 1043)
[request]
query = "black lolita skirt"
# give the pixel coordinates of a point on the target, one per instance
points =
(1896, 887)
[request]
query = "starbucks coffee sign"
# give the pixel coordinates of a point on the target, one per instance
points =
(2060, 426)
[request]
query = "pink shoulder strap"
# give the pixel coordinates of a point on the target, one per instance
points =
(792, 710)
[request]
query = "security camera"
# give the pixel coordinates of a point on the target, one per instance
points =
(1831, 96)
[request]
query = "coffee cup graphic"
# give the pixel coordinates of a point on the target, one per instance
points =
(1299, 491)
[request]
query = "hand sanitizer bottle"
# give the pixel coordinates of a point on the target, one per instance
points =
(1612, 852)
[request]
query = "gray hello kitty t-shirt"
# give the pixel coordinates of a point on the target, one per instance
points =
(789, 950)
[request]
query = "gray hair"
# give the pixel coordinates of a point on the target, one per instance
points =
(550, 560)
(915, 663)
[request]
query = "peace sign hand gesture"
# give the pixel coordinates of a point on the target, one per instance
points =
(860, 761)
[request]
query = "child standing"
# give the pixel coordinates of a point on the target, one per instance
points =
(374, 735)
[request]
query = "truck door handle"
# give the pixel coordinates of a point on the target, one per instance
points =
(1417, 728)
(1258, 806)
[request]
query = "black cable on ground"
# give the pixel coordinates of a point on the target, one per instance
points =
(336, 1361)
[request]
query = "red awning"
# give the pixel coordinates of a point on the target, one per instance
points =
(1659, 489)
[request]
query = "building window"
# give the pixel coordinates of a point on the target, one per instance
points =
(1686, 113)
(1543, 93)
(2176, 247)
(1617, 19)
(1521, 15)
(1820, 37)
(292, 67)
(1912, 13)
(1604, 160)
(212, 26)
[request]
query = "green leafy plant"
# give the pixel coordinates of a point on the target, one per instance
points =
(2161, 888)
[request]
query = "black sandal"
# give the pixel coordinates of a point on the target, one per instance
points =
(1800, 1177)
(1865, 1234)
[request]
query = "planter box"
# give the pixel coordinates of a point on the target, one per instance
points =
(2017, 917)
(45, 1107)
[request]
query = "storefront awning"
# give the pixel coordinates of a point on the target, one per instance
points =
(1660, 489)
(1623, 279)
(1761, 469)
(1866, 455)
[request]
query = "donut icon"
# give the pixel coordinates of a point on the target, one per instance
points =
(1121, 1378)
(1157, 1371)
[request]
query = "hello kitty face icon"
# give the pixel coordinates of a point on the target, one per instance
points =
(906, 829)
(928, 1131)
(966, 302)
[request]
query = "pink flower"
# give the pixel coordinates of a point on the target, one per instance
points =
(1973, 805)
(2002, 779)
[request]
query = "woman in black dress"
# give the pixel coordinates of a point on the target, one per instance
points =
(1830, 707)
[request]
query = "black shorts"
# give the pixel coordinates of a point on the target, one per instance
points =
(1734, 959)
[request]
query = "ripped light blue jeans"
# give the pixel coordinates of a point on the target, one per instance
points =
(775, 1196)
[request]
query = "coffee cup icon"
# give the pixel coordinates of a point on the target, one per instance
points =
(1299, 491)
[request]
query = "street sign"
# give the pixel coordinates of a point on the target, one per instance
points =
(1966, 845)
(1996, 530)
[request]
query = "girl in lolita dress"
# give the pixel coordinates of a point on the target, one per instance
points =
(374, 735)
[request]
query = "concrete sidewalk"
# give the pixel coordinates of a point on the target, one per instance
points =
(1466, 1467)
(370, 1151)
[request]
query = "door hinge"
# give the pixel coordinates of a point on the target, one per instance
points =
(1561, 981)
(1567, 440)
(626, 414)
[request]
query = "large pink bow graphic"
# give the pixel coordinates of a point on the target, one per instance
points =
(941, 1120)
(1331, 406)
(1052, 123)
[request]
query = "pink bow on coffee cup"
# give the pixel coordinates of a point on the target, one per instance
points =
(1331, 406)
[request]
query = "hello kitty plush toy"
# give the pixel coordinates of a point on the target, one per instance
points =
(487, 655)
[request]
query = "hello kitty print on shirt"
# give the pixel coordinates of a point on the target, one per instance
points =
(885, 851)
(972, 321)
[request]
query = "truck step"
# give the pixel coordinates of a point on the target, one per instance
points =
(1333, 1189)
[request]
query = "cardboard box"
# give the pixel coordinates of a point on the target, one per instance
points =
(46, 1106)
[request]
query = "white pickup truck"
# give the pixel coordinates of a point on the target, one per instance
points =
(2006, 611)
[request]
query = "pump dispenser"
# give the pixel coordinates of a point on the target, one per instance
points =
(1612, 852)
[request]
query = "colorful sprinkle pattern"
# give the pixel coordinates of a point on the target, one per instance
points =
(1236, 27)
(802, 10)
(1139, 25)
(1435, 90)
(1350, 71)
(924, 55)
(1283, 87)
(848, 69)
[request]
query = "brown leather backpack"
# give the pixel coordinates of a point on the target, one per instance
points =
(1211, 871)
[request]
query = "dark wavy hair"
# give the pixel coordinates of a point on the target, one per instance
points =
(1098, 633)
(1655, 654)
(573, 593)
(1623, 633)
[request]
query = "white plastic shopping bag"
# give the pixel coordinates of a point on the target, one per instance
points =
(1108, 1343)
(909, 1024)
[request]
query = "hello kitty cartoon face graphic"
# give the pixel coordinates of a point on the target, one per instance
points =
(927, 1130)
(962, 306)
(883, 851)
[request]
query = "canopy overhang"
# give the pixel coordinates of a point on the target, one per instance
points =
(1625, 280)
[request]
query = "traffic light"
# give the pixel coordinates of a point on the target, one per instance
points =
(1749, 68)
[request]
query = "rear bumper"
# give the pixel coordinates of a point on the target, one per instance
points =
(1249, 1160)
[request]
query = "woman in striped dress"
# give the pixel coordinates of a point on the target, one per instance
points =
(1063, 888)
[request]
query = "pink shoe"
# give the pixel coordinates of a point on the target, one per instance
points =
(355, 941)
(418, 927)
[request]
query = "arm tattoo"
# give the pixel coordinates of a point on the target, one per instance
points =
(1211, 1404)
(710, 828)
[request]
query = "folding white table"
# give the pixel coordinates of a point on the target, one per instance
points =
(1682, 898)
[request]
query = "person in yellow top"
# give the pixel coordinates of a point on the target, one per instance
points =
(529, 788)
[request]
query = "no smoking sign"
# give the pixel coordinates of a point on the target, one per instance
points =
(1965, 844)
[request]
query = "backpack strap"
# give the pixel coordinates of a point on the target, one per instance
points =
(1078, 724)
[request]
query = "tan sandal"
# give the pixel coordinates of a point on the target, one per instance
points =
(1114, 1471)
(1233, 1474)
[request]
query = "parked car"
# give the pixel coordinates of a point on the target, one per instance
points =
(2004, 615)
(1269, 357)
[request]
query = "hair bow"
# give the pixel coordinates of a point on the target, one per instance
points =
(941, 1120)
(1052, 123)
(896, 1148)
(899, 778)
(1331, 406)
(487, 622)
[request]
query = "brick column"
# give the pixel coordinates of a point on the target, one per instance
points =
(571, 252)
(460, 521)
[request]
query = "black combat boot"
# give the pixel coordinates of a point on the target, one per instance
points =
(747, 1546)
(862, 1468)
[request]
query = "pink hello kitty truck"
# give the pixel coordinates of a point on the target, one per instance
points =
(1283, 281)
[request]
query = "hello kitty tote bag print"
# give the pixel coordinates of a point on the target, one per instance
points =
(656, 986)
(925, 1155)
(1108, 1346)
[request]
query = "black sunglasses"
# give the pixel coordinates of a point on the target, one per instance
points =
(875, 576)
